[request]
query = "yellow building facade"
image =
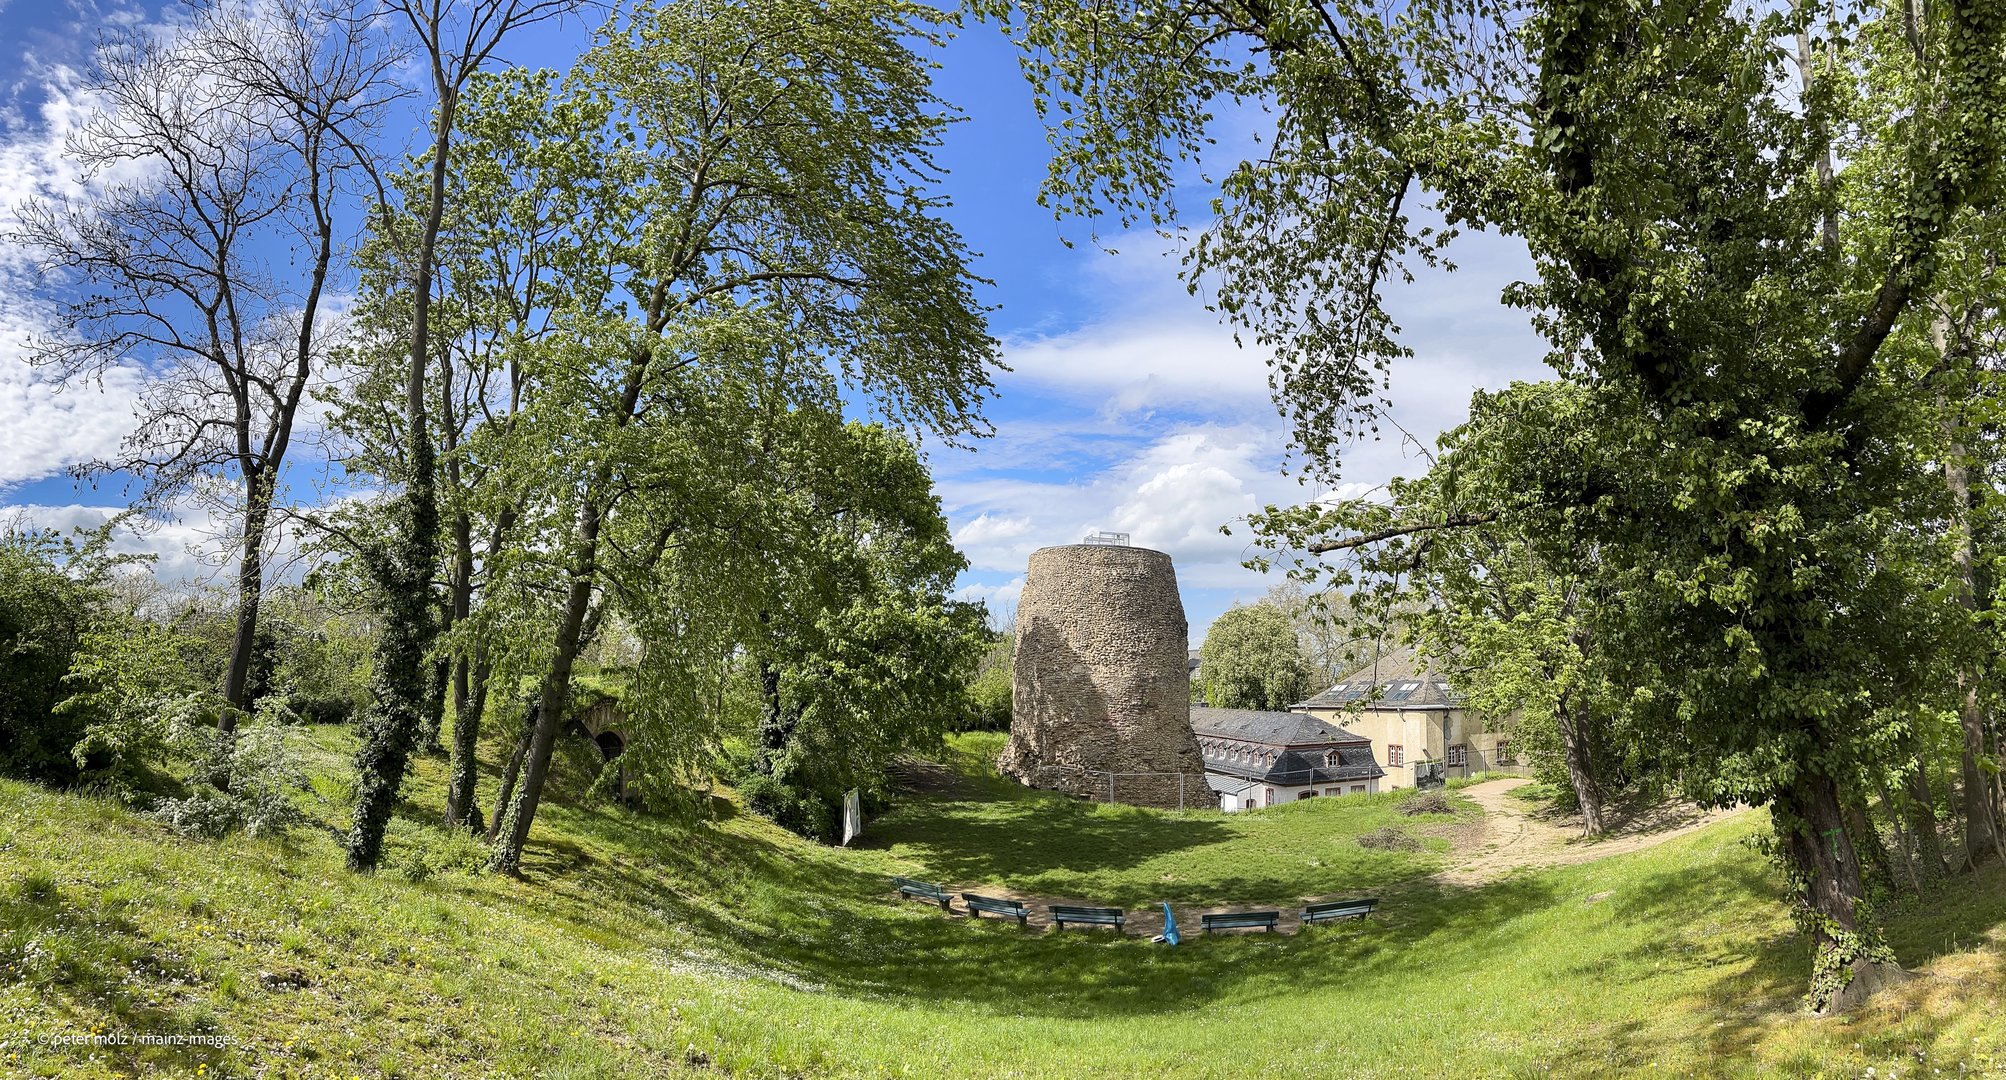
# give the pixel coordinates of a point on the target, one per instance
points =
(1412, 717)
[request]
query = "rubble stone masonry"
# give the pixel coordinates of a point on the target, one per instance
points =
(1100, 685)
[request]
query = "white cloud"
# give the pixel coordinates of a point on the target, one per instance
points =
(49, 426)
(1136, 361)
(185, 548)
(1152, 420)
(1001, 598)
(196, 545)
(1172, 495)
(990, 528)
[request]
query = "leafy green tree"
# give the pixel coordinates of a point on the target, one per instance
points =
(456, 42)
(863, 656)
(55, 594)
(992, 692)
(1252, 659)
(1680, 188)
(749, 234)
(1515, 616)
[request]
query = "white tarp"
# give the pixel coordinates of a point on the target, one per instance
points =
(853, 816)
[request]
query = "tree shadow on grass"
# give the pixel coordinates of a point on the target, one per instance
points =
(766, 912)
(1764, 965)
(1020, 839)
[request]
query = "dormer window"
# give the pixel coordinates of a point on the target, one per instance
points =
(1331, 760)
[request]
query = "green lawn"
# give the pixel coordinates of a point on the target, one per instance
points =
(643, 947)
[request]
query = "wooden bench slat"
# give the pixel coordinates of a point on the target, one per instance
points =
(1094, 916)
(1012, 909)
(1231, 920)
(1340, 909)
(924, 890)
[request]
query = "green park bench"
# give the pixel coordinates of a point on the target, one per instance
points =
(1087, 916)
(924, 891)
(1009, 909)
(1239, 920)
(1339, 909)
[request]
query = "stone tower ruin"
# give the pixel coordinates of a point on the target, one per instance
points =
(1100, 681)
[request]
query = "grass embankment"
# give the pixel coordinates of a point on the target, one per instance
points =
(640, 946)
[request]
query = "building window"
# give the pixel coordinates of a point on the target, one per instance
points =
(1333, 791)
(1456, 756)
(1396, 754)
(1269, 799)
(1331, 760)
(1250, 804)
(1310, 794)
(1358, 789)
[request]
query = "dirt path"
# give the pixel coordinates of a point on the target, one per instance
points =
(1509, 837)
(1515, 837)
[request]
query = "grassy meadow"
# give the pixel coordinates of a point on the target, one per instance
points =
(641, 946)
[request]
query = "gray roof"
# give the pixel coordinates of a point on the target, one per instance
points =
(1224, 786)
(1280, 747)
(1396, 680)
(1273, 728)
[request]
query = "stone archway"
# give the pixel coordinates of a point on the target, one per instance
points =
(605, 723)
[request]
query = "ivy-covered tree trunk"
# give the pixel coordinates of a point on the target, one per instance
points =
(1851, 962)
(390, 728)
(405, 577)
(434, 721)
(512, 774)
(776, 721)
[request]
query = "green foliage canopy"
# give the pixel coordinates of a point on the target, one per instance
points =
(1252, 659)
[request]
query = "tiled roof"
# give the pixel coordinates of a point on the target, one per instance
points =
(1396, 680)
(1281, 748)
(1274, 728)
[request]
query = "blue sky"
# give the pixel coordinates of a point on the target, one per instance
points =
(1129, 408)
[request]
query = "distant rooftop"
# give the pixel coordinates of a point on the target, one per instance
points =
(1280, 748)
(1272, 728)
(1396, 680)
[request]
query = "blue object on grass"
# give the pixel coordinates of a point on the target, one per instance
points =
(1169, 925)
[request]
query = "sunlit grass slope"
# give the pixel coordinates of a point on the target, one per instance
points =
(644, 947)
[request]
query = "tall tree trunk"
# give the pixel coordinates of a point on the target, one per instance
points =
(1876, 862)
(556, 696)
(1906, 841)
(1921, 799)
(250, 595)
(435, 704)
(470, 695)
(470, 685)
(513, 773)
(1981, 829)
(408, 625)
(1574, 725)
(776, 725)
(390, 729)
(1851, 962)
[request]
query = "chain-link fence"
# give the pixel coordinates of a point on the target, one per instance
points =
(1168, 791)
